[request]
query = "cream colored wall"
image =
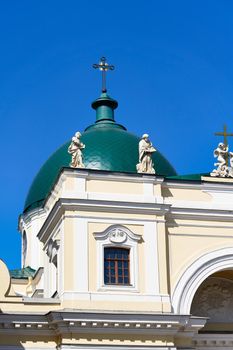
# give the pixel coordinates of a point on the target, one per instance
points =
(188, 243)
(19, 286)
(114, 187)
(185, 194)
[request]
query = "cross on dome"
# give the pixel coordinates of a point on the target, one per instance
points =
(103, 66)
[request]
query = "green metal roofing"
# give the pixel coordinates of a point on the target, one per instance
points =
(189, 177)
(23, 273)
(108, 146)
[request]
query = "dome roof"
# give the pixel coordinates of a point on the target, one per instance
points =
(108, 146)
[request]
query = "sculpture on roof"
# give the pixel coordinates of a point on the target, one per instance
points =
(75, 149)
(223, 168)
(223, 156)
(146, 150)
(221, 152)
(231, 164)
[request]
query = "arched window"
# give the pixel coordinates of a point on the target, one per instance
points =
(116, 266)
(24, 248)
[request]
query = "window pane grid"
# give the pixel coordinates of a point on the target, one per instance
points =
(116, 266)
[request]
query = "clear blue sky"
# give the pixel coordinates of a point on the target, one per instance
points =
(173, 79)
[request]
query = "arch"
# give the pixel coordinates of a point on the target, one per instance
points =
(196, 273)
(24, 247)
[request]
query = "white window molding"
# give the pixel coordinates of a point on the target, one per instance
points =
(117, 236)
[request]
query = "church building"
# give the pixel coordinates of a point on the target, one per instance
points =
(119, 252)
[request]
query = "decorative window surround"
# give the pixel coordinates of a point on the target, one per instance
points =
(117, 236)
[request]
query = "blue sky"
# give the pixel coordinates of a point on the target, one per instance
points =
(173, 79)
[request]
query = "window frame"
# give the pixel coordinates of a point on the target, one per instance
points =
(116, 266)
(130, 241)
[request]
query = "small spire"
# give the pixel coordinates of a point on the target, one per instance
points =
(103, 66)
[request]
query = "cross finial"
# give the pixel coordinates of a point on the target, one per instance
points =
(103, 66)
(224, 134)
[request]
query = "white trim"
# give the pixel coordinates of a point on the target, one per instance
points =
(182, 185)
(116, 347)
(96, 175)
(196, 273)
(81, 256)
(151, 273)
(113, 220)
(130, 242)
(116, 295)
(208, 214)
(25, 347)
(98, 206)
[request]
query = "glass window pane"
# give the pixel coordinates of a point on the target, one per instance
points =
(120, 264)
(116, 265)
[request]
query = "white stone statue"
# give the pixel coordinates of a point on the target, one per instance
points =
(231, 164)
(221, 152)
(146, 149)
(75, 149)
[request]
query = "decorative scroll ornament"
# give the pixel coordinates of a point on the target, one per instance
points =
(75, 149)
(117, 236)
(146, 150)
(222, 155)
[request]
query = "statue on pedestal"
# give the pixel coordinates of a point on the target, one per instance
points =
(221, 152)
(146, 150)
(75, 149)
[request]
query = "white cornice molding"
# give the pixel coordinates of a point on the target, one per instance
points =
(199, 185)
(113, 347)
(65, 321)
(182, 185)
(113, 176)
(28, 217)
(64, 204)
(185, 213)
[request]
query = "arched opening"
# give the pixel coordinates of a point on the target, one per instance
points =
(213, 299)
(197, 273)
(24, 248)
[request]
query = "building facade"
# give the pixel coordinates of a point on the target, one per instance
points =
(115, 259)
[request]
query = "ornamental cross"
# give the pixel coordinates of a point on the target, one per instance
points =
(103, 66)
(225, 134)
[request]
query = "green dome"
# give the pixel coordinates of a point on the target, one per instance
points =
(108, 146)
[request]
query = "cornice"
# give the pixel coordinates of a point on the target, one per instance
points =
(200, 214)
(63, 322)
(92, 174)
(77, 205)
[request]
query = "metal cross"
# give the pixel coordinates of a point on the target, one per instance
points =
(103, 66)
(224, 134)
